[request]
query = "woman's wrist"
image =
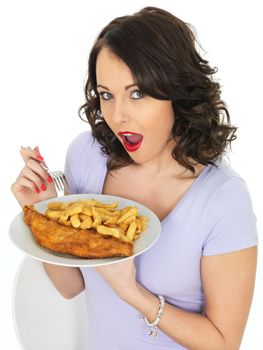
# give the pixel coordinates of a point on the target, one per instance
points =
(144, 301)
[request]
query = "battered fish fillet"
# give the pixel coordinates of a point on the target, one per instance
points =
(74, 241)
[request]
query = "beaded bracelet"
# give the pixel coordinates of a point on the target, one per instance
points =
(152, 326)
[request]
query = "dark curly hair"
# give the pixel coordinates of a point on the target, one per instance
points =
(159, 50)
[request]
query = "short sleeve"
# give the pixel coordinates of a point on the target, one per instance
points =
(72, 169)
(230, 220)
(72, 189)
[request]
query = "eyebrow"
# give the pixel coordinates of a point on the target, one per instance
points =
(126, 87)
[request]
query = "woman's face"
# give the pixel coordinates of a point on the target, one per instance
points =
(145, 121)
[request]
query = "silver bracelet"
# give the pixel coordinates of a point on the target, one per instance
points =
(152, 326)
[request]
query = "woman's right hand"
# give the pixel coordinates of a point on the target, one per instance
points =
(33, 184)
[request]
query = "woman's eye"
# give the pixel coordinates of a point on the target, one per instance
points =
(105, 95)
(136, 94)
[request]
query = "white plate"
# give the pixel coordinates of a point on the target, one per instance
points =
(22, 237)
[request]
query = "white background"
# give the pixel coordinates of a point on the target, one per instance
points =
(44, 50)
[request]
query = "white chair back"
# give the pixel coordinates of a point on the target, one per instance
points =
(43, 318)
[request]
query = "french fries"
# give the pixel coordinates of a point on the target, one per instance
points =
(124, 224)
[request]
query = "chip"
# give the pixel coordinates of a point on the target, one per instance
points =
(124, 224)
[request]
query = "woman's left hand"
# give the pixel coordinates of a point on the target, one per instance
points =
(120, 276)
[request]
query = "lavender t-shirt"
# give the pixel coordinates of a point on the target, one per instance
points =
(215, 216)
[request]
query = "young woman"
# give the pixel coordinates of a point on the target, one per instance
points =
(159, 131)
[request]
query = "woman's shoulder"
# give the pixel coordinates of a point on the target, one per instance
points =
(81, 141)
(84, 145)
(84, 160)
(224, 189)
(223, 176)
(230, 193)
(230, 221)
(84, 150)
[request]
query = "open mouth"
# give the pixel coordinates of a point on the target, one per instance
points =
(131, 141)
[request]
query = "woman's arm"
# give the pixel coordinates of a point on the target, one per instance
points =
(67, 280)
(33, 185)
(228, 282)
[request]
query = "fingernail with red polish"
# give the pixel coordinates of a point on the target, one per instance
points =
(39, 157)
(37, 190)
(49, 179)
(43, 187)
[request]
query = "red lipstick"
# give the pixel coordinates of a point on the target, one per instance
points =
(131, 140)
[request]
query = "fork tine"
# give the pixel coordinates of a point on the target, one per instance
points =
(57, 184)
(60, 180)
(65, 182)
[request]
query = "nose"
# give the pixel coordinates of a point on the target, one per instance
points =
(120, 112)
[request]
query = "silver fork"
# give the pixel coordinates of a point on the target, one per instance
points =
(60, 180)
(58, 177)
